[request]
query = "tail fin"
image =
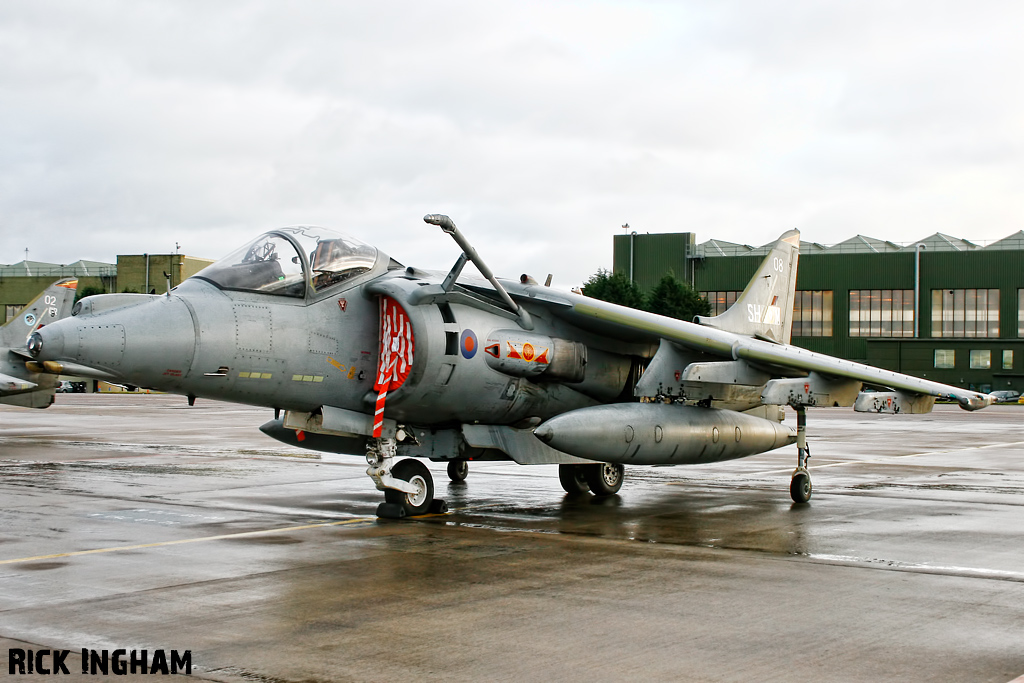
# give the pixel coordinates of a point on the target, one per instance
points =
(765, 308)
(53, 304)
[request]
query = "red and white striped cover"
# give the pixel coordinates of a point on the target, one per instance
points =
(396, 353)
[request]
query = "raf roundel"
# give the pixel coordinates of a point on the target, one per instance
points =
(469, 343)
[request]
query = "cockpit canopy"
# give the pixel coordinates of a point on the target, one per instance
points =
(285, 262)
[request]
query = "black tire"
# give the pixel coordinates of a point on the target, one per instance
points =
(458, 470)
(572, 479)
(800, 487)
(604, 478)
(417, 473)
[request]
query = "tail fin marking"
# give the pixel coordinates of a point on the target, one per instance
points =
(765, 307)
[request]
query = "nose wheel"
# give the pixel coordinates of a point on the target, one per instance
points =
(416, 474)
(800, 487)
(407, 485)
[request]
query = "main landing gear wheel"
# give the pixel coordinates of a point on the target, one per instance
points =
(573, 479)
(417, 474)
(800, 487)
(458, 470)
(604, 478)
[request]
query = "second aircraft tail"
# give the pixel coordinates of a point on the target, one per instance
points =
(54, 303)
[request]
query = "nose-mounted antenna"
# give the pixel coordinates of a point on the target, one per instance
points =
(469, 254)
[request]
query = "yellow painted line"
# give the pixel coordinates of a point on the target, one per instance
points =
(190, 540)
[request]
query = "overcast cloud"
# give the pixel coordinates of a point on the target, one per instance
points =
(540, 127)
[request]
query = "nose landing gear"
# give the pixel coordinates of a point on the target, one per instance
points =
(407, 485)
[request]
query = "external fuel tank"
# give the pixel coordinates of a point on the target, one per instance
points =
(661, 434)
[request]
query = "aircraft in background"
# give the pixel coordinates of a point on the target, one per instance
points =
(366, 356)
(21, 385)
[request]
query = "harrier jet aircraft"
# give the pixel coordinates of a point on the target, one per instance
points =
(366, 356)
(21, 385)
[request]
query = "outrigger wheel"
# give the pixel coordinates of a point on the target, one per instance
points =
(800, 487)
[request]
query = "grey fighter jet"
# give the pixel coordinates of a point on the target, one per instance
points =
(368, 357)
(29, 384)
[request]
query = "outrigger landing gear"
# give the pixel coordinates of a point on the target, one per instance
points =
(407, 485)
(800, 487)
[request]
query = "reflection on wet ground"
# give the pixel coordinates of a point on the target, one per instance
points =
(135, 521)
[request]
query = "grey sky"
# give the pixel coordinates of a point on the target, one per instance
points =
(539, 127)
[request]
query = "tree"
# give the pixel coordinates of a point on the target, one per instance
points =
(87, 291)
(614, 288)
(674, 298)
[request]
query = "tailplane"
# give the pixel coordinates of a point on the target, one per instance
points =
(765, 308)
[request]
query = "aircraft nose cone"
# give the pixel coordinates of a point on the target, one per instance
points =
(545, 433)
(47, 343)
(140, 341)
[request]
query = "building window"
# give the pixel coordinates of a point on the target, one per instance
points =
(945, 359)
(720, 301)
(965, 312)
(881, 313)
(12, 311)
(1007, 359)
(981, 359)
(1020, 312)
(812, 314)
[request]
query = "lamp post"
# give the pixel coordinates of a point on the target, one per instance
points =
(917, 288)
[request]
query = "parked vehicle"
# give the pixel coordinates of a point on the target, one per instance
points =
(1006, 396)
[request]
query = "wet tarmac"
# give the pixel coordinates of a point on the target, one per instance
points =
(137, 522)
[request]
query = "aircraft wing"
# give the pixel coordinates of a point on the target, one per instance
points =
(634, 326)
(13, 385)
(733, 346)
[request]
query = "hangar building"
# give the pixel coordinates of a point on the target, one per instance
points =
(941, 308)
(21, 282)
